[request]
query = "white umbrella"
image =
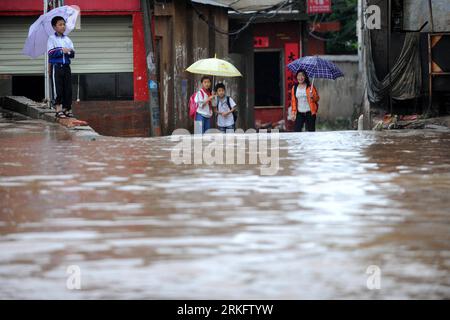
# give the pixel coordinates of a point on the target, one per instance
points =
(41, 29)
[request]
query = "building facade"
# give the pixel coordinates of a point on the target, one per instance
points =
(183, 36)
(413, 38)
(127, 80)
(109, 78)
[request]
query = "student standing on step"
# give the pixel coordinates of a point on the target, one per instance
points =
(60, 51)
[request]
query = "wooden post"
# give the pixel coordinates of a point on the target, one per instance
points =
(430, 75)
(152, 87)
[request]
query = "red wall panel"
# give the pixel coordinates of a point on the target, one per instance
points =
(85, 5)
(278, 33)
(139, 59)
(265, 115)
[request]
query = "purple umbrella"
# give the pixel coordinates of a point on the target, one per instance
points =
(41, 29)
(316, 67)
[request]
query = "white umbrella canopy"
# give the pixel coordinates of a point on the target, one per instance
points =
(41, 29)
(214, 67)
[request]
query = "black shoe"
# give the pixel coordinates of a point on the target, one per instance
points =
(68, 113)
(60, 115)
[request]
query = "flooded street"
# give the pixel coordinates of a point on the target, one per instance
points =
(141, 227)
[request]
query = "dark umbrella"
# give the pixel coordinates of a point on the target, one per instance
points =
(316, 67)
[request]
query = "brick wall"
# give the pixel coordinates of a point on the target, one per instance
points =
(115, 118)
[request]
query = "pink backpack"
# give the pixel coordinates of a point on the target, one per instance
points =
(193, 106)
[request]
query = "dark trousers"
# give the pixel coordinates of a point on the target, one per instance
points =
(62, 85)
(307, 119)
(225, 129)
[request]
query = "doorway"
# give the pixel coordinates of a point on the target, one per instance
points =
(268, 79)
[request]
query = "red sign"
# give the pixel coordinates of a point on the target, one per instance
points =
(261, 42)
(319, 6)
(291, 53)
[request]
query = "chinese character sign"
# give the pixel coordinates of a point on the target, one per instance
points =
(291, 53)
(261, 42)
(319, 6)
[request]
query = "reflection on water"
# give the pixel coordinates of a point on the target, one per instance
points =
(140, 226)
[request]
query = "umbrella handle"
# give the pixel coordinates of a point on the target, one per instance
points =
(312, 85)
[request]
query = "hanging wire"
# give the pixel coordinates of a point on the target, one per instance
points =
(337, 37)
(342, 8)
(263, 12)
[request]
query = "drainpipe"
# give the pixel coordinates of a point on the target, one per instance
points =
(389, 52)
(153, 103)
(430, 7)
(47, 99)
(359, 29)
(46, 70)
(430, 76)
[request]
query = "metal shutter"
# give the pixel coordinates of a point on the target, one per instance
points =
(102, 45)
(13, 33)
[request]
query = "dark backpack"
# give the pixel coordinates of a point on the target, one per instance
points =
(235, 115)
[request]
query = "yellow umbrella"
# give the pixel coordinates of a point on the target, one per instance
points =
(214, 67)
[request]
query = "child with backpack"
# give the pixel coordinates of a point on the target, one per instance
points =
(200, 106)
(225, 107)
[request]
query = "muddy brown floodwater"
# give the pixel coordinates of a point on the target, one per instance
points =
(139, 226)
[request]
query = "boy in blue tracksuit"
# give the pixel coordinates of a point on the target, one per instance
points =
(60, 51)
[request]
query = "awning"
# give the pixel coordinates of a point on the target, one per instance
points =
(211, 3)
(241, 5)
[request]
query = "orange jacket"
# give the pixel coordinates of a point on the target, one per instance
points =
(313, 105)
